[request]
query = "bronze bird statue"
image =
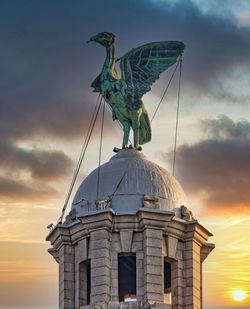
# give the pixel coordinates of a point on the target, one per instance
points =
(140, 68)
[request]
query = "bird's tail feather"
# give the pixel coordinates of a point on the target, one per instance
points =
(145, 128)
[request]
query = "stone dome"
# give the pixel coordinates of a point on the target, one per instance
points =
(128, 182)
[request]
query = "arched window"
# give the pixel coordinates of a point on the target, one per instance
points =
(167, 282)
(84, 284)
(127, 277)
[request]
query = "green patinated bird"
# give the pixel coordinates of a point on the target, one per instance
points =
(140, 68)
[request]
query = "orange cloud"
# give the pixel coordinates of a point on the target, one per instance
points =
(217, 169)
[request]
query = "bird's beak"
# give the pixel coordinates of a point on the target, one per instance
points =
(92, 39)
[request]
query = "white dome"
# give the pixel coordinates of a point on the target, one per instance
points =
(125, 180)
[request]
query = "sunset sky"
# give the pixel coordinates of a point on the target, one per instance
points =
(46, 102)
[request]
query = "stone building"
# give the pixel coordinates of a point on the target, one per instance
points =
(129, 241)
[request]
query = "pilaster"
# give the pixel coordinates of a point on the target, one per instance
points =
(153, 266)
(81, 255)
(177, 278)
(99, 254)
(66, 277)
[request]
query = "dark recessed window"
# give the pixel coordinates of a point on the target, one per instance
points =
(167, 282)
(127, 277)
(84, 284)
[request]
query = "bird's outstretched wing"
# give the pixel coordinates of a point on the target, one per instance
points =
(142, 66)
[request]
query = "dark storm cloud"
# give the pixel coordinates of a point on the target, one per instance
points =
(41, 164)
(224, 127)
(44, 82)
(47, 67)
(218, 168)
(215, 48)
(12, 190)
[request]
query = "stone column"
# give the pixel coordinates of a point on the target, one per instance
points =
(115, 249)
(192, 275)
(100, 266)
(81, 255)
(153, 266)
(137, 248)
(177, 282)
(66, 277)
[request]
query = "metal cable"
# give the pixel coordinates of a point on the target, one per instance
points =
(83, 151)
(177, 116)
(100, 151)
(120, 181)
(165, 91)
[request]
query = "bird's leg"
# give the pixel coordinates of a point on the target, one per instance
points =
(126, 130)
(135, 118)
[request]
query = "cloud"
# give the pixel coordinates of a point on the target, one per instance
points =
(46, 74)
(46, 67)
(41, 164)
(217, 169)
(29, 174)
(216, 48)
(225, 128)
(17, 190)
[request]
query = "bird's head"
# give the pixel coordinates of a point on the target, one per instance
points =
(106, 39)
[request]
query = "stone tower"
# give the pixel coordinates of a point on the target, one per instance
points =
(129, 241)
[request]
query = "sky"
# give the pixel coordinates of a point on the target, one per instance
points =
(46, 103)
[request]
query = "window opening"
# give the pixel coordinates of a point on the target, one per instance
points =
(127, 277)
(85, 283)
(167, 282)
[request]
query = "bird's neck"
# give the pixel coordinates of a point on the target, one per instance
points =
(109, 62)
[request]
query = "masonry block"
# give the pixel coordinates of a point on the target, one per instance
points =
(126, 240)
